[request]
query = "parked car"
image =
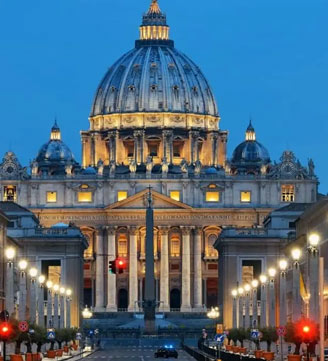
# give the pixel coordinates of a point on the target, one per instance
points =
(166, 352)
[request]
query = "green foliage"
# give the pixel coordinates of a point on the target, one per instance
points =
(269, 335)
(233, 334)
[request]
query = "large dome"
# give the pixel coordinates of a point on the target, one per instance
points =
(154, 77)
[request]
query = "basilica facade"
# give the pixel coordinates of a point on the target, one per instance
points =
(155, 122)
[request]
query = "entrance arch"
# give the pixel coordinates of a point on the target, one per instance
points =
(175, 298)
(122, 299)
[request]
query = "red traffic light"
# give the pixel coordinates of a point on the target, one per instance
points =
(306, 329)
(120, 265)
(5, 330)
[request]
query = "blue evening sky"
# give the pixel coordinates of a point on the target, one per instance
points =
(267, 58)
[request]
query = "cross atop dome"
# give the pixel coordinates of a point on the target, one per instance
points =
(154, 8)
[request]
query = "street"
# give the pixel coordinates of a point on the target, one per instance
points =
(136, 353)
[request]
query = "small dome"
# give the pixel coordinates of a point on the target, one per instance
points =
(211, 170)
(250, 154)
(60, 225)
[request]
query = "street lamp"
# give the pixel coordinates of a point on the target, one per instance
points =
(255, 284)
(314, 240)
(22, 265)
(68, 307)
(241, 307)
(56, 306)
(313, 262)
(283, 264)
(297, 301)
(10, 253)
(33, 272)
(86, 313)
(272, 272)
(42, 280)
(62, 292)
(49, 285)
(263, 318)
(272, 297)
(247, 289)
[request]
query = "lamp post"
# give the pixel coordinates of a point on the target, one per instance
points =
(22, 266)
(247, 289)
(283, 264)
(56, 306)
(313, 262)
(86, 313)
(234, 294)
(49, 285)
(41, 280)
(33, 274)
(255, 284)
(62, 292)
(241, 307)
(215, 314)
(263, 319)
(68, 307)
(272, 297)
(10, 254)
(297, 302)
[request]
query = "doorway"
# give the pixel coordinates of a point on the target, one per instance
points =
(175, 299)
(122, 299)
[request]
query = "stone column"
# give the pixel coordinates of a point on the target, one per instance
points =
(222, 148)
(133, 270)
(247, 315)
(254, 305)
(22, 296)
(214, 137)
(111, 281)
(164, 275)
(84, 150)
(241, 311)
(93, 151)
(168, 145)
(198, 269)
(194, 146)
(186, 302)
(100, 270)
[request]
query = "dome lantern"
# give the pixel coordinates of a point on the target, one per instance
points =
(250, 132)
(55, 132)
(154, 26)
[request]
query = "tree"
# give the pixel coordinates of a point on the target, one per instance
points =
(242, 336)
(269, 335)
(292, 336)
(39, 337)
(233, 333)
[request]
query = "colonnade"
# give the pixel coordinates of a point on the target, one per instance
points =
(110, 149)
(189, 302)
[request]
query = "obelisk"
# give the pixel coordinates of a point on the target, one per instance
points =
(150, 298)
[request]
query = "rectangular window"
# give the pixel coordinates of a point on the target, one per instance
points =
(175, 195)
(212, 196)
(153, 150)
(245, 197)
(175, 247)
(9, 193)
(84, 197)
(122, 248)
(121, 195)
(288, 193)
(51, 197)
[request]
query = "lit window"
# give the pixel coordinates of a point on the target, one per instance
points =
(175, 195)
(122, 246)
(288, 193)
(175, 247)
(51, 197)
(121, 195)
(212, 197)
(245, 197)
(84, 197)
(9, 193)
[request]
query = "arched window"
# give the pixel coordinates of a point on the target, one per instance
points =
(175, 246)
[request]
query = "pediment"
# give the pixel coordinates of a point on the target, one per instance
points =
(139, 201)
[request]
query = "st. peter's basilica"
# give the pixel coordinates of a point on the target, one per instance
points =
(154, 121)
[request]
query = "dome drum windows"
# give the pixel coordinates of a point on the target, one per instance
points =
(10, 193)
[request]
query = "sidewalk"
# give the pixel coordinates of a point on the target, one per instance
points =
(74, 357)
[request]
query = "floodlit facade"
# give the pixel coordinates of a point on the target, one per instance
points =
(155, 121)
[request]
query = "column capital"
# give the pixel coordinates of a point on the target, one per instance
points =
(198, 230)
(186, 230)
(100, 229)
(132, 230)
(164, 230)
(111, 230)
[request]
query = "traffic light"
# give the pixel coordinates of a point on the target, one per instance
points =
(5, 331)
(307, 330)
(112, 267)
(120, 265)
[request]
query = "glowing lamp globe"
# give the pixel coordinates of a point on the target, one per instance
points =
(22, 265)
(255, 283)
(10, 253)
(314, 239)
(33, 272)
(49, 284)
(247, 287)
(283, 264)
(263, 279)
(272, 272)
(240, 291)
(296, 254)
(234, 293)
(42, 279)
